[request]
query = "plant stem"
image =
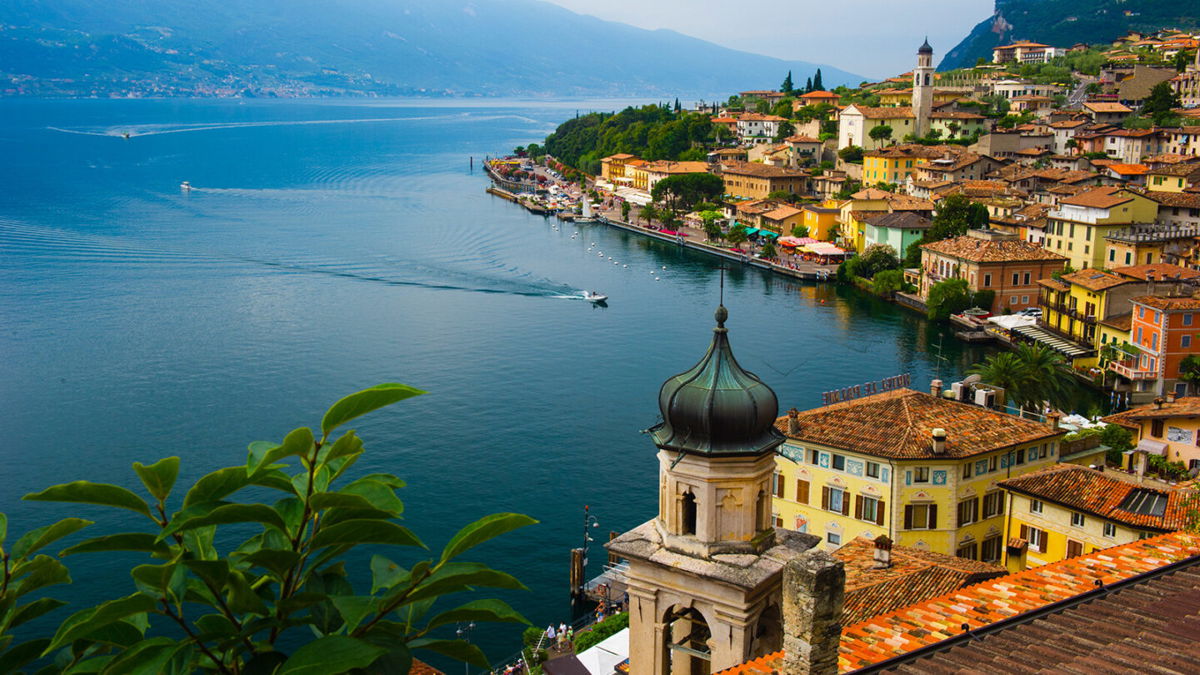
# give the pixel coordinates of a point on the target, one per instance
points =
(187, 629)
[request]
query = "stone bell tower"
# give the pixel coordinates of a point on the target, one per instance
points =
(922, 96)
(705, 575)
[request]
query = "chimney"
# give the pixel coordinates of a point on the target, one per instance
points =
(1053, 418)
(814, 588)
(793, 422)
(1170, 397)
(1158, 403)
(883, 552)
(939, 441)
(935, 388)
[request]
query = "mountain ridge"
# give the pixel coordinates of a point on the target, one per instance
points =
(361, 47)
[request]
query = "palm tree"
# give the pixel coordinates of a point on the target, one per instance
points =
(1002, 370)
(1031, 376)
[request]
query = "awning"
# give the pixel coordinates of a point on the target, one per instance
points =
(1058, 344)
(1152, 447)
(751, 230)
(768, 233)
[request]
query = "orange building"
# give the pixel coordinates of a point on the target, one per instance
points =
(1165, 329)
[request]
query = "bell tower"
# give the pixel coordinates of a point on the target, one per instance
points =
(705, 575)
(922, 95)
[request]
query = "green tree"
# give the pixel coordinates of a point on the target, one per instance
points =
(787, 87)
(880, 132)
(875, 259)
(1189, 370)
(955, 215)
(947, 297)
(1183, 58)
(768, 249)
(1160, 102)
(785, 130)
(808, 85)
(817, 84)
(852, 154)
(625, 208)
(680, 192)
(225, 579)
(887, 282)
(800, 231)
(737, 234)
(763, 107)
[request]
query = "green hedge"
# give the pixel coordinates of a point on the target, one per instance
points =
(601, 631)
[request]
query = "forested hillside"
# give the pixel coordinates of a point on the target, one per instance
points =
(651, 132)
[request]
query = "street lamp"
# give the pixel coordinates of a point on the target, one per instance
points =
(464, 633)
(588, 521)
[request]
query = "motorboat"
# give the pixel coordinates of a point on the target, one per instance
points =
(593, 296)
(185, 186)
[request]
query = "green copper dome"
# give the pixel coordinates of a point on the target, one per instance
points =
(716, 407)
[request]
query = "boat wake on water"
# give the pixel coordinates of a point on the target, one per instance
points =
(50, 243)
(136, 130)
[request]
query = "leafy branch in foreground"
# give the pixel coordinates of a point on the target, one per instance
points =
(198, 608)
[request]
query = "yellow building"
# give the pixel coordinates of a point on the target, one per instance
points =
(1069, 510)
(758, 181)
(612, 168)
(921, 469)
(1173, 178)
(895, 164)
(1077, 228)
(821, 221)
(1169, 427)
(1074, 305)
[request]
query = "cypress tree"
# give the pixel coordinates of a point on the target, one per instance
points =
(677, 106)
(817, 84)
(787, 87)
(808, 85)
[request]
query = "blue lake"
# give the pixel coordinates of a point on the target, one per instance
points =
(328, 246)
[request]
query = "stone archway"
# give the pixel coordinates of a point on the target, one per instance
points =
(768, 632)
(688, 638)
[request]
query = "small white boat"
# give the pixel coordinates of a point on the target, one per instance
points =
(185, 186)
(593, 296)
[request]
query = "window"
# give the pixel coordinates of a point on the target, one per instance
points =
(989, 550)
(1187, 319)
(993, 504)
(1035, 506)
(1128, 260)
(987, 280)
(869, 509)
(1185, 341)
(1112, 255)
(689, 513)
(1024, 299)
(1141, 312)
(1110, 530)
(1012, 300)
(839, 462)
(834, 499)
(968, 511)
(1020, 456)
(1156, 428)
(921, 474)
(967, 550)
(778, 519)
(993, 462)
(920, 517)
(1154, 341)
(814, 457)
(1016, 278)
(873, 469)
(1076, 519)
(1074, 548)
(833, 538)
(802, 491)
(1036, 538)
(777, 485)
(1027, 278)
(966, 470)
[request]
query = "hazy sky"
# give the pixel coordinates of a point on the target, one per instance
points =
(874, 38)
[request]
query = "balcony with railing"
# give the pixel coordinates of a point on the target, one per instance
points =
(1130, 370)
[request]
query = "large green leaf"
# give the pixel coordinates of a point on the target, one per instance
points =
(297, 443)
(365, 532)
(479, 610)
(277, 561)
(147, 657)
(213, 572)
(41, 572)
(33, 610)
(242, 598)
(159, 477)
(3, 528)
(354, 608)
(331, 654)
(11, 660)
(455, 649)
(168, 580)
(385, 573)
(34, 540)
(365, 401)
(455, 577)
(87, 492)
(348, 444)
(378, 493)
(482, 530)
(216, 486)
(127, 541)
(225, 515)
(84, 622)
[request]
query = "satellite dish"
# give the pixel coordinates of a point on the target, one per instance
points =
(972, 379)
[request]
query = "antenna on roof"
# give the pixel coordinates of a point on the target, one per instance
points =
(938, 358)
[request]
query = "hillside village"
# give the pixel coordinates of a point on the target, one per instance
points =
(928, 527)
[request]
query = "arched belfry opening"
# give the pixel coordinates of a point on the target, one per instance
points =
(703, 573)
(688, 513)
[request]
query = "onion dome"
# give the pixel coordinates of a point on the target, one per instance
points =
(925, 48)
(716, 407)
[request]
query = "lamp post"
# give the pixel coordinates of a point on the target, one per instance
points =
(464, 633)
(588, 521)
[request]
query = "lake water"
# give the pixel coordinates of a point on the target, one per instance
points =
(330, 246)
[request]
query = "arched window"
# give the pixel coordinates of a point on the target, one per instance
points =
(926, 79)
(688, 513)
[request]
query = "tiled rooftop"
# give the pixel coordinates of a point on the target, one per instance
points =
(1168, 304)
(980, 250)
(1094, 280)
(1187, 406)
(1091, 491)
(1099, 198)
(899, 424)
(1158, 270)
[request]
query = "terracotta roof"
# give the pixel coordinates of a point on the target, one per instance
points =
(1083, 489)
(1167, 304)
(1054, 284)
(759, 117)
(951, 115)
(801, 139)
(623, 155)
(819, 94)
(871, 193)
(907, 203)
(1129, 169)
(1186, 406)
(781, 213)
(927, 623)
(973, 249)
(1159, 270)
(898, 424)
(663, 166)
(419, 667)
(1178, 200)
(761, 170)
(1099, 198)
(897, 112)
(914, 575)
(1094, 280)
(1068, 124)
(1106, 107)
(1178, 169)
(1111, 632)
(1120, 322)
(900, 220)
